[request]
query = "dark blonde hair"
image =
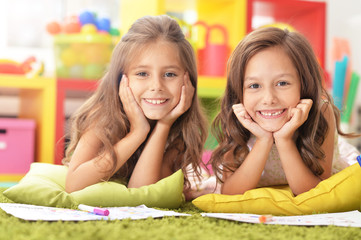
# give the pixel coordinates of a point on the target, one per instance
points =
(230, 133)
(103, 111)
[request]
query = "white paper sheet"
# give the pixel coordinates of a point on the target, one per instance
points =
(34, 213)
(343, 219)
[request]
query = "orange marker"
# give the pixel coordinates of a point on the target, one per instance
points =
(265, 218)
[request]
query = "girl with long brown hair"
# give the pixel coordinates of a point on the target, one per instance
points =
(277, 124)
(144, 121)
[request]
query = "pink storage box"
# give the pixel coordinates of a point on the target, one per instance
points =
(17, 144)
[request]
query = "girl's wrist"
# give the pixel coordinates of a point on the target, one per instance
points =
(265, 141)
(284, 142)
(266, 138)
(140, 133)
(163, 126)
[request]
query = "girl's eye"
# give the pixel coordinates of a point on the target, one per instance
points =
(169, 74)
(254, 85)
(142, 74)
(282, 83)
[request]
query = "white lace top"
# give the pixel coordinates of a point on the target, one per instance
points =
(344, 155)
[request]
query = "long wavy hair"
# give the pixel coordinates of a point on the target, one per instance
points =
(103, 112)
(233, 137)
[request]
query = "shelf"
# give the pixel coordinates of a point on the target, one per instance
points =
(37, 101)
(62, 87)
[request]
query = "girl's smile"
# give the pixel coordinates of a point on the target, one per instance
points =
(155, 101)
(272, 113)
(271, 87)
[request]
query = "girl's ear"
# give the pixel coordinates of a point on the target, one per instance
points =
(119, 79)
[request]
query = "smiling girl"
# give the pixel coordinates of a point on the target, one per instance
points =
(277, 124)
(150, 124)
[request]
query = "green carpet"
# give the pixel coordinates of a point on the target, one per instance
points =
(168, 228)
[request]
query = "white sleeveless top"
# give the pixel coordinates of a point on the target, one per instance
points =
(344, 155)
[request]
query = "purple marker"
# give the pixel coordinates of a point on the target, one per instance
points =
(95, 210)
(359, 159)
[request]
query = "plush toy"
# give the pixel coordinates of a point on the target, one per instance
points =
(13, 67)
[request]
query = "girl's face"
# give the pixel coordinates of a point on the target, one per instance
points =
(156, 79)
(271, 87)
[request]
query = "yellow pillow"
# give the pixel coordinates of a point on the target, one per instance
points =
(341, 192)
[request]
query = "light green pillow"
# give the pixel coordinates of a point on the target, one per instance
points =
(44, 185)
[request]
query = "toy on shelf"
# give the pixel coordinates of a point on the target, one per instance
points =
(345, 82)
(83, 45)
(27, 67)
(212, 58)
(75, 24)
(53, 28)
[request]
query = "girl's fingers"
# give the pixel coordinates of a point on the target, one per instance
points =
(182, 100)
(123, 87)
(126, 93)
(186, 79)
(187, 93)
(304, 107)
(189, 89)
(245, 119)
(305, 104)
(126, 96)
(240, 111)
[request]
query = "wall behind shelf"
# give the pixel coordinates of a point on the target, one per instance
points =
(9, 105)
(343, 20)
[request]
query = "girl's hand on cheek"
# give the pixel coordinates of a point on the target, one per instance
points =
(184, 103)
(297, 116)
(246, 120)
(136, 117)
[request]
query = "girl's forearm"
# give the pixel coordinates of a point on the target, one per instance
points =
(247, 176)
(300, 178)
(149, 166)
(125, 148)
(98, 169)
(86, 174)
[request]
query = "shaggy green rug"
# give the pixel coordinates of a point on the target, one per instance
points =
(169, 228)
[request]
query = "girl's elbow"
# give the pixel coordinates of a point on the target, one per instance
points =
(71, 184)
(70, 187)
(231, 190)
(305, 188)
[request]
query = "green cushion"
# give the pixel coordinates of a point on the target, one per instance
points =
(44, 185)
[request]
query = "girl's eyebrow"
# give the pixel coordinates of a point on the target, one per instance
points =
(284, 75)
(164, 67)
(173, 66)
(140, 66)
(252, 78)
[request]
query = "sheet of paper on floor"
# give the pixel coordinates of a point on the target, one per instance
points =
(343, 219)
(34, 213)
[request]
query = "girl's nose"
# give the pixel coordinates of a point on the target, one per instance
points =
(156, 83)
(269, 97)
